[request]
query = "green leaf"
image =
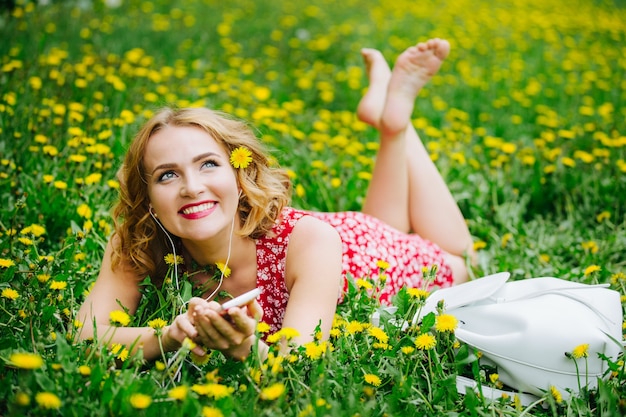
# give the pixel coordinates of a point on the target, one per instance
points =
(427, 322)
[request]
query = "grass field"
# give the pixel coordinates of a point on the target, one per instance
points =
(526, 120)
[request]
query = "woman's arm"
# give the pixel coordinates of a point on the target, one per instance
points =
(313, 277)
(119, 287)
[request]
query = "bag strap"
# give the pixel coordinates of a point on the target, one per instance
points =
(463, 294)
(493, 394)
(561, 291)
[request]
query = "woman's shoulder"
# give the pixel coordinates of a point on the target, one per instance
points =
(297, 222)
(313, 229)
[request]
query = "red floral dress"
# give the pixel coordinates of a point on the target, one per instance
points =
(366, 241)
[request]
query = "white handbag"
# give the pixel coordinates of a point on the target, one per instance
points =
(525, 328)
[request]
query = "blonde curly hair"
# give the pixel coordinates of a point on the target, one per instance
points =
(266, 189)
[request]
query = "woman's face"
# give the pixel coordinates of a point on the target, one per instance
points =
(191, 184)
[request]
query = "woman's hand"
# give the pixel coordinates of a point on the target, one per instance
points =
(183, 327)
(232, 332)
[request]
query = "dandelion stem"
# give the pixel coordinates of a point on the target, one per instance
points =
(530, 407)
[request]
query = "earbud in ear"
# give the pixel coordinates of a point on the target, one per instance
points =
(152, 213)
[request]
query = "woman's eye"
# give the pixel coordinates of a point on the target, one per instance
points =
(166, 176)
(209, 163)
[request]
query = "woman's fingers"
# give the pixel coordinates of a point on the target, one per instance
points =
(175, 333)
(224, 330)
(255, 311)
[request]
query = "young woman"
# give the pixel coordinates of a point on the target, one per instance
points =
(198, 183)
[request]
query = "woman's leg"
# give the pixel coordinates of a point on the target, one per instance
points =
(407, 191)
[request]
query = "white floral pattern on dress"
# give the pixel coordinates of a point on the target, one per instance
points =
(366, 240)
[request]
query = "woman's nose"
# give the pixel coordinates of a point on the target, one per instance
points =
(191, 186)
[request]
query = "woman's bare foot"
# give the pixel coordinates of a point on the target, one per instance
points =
(413, 69)
(371, 106)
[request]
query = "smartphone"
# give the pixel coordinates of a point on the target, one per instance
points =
(241, 300)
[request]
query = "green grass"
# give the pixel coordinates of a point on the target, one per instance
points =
(525, 120)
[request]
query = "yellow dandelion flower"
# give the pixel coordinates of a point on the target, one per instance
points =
(84, 370)
(382, 264)
(255, 374)
(119, 317)
(48, 400)
(494, 378)
(262, 327)
(10, 293)
(189, 344)
(335, 332)
(6, 263)
(34, 229)
(287, 333)
(315, 350)
(425, 341)
(123, 354)
(362, 283)
(84, 211)
(140, 401)
(605, 215)
(22, 399)
(61, 185)
(261, 93)
(300, 190)
(26, 360)
(178, 393)
(276, 365)
(157, 323)
(590, 246)
(273, 392)
(446, 323)
(224, 269)
(378, 333)
(211, 412)
(171, 260)
(554, 392)
(216, 391)
(407, 350)
(50, 150)
(478, 245)
(418, 293)
(240, 157)
(93, 178)
(354, 327)
(591, 269)
(581, 351)
(58, 285)
(200, 360)
(372, 379)
(617, 277)
(25, 241)
(46, 258)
